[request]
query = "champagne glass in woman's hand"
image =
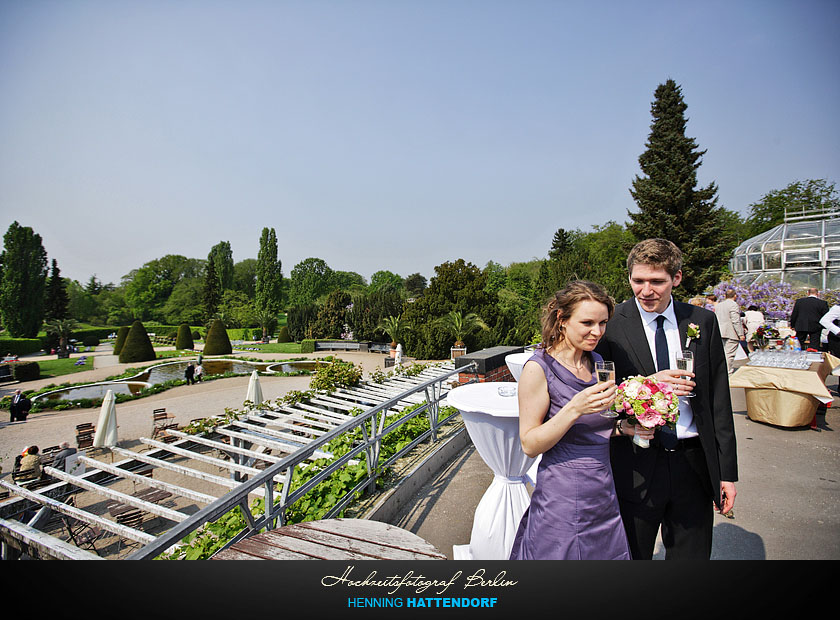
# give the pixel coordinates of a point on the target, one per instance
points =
(606, 372)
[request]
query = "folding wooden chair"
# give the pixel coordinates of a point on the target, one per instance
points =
(161, 422)
(84, 435)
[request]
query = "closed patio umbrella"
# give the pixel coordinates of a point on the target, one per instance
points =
(255, 394)
(106, 426)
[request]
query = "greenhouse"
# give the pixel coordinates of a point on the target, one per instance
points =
(804, 251)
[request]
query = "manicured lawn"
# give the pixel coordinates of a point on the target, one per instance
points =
(57, 368)
(274, 347)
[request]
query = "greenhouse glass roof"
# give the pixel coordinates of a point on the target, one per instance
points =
(804, 251)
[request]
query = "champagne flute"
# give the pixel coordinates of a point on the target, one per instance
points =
(685, 361)
(606, 372)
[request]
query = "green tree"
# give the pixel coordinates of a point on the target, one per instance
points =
(23, 277)
(395, 327)
(148, 288)
(57, 301)
(797, 198)
(63, 329)
(269, 274)
(459, 325)
(211, 292)
(245, 277)
(369, 308)
(671, 206)
(385, 279)
(561, 243)
(332, 315)
(310, 279)
(415, 284)
(221, 256)
(185, 303)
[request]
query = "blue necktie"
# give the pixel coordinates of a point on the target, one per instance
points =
(667, 436)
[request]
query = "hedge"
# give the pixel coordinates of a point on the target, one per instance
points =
(122, 333)
(26, 371)
(184, 339)
(307, 346)
(20, 346)
(217, 341)
(137, 347)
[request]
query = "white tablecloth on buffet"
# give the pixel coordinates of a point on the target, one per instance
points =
(492, 421)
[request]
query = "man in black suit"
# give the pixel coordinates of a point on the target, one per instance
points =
(805, 319)
(19, 407)
(672, 483)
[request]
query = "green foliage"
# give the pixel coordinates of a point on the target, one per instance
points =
(217, 341)
(23, 276)
(395, 327)
(386, 280)
(671, 206)
(415, 284)
(459, 325)
(19, 346)
(148, 288)
(307, 346)
(283, 335)
(26, 371)
(245, 277)
(269, 274)
(369, 309)
(799, 197)
(56, 301)
(137, 347)
(122, 334)
(184, 304)
(211, 294)
(331, 316)
(456, 286)
(301, 321)
(184, 338)
(338, 374)
(311, 279)
(221, 256)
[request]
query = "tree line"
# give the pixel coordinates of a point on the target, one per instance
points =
(322, 302)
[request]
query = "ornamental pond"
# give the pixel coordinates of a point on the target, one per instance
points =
(168, 371)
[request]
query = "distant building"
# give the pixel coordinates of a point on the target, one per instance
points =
(804, 251)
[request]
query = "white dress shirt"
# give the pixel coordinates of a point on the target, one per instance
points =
(827, 320)
(686, 426)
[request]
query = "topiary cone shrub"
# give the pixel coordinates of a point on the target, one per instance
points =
(120, 341)
(184, 339)
(137, 346)
(217, 341)
(283, 336)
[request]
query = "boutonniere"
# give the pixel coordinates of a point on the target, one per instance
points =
(692, 333)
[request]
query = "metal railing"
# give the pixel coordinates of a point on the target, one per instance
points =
(373, 429)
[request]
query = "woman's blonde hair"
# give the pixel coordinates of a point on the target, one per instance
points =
(562, 305)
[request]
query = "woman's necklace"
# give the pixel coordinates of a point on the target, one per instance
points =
(575, 367)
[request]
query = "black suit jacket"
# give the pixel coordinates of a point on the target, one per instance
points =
(624, 343)
(22, 406)
(807, 313)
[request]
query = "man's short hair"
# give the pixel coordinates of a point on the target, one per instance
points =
(730, 293)
(659, 253)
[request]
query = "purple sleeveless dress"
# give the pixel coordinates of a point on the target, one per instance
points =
(573, 513)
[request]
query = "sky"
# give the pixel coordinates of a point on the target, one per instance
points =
(388, 134)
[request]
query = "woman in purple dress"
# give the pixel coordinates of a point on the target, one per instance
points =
(573, 513)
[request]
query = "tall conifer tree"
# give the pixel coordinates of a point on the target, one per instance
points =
(57, 300)
(23, 276)
(671, 206)
(212, 294)
(269, 273)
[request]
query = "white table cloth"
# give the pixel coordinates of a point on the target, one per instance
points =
(492, 420)
(515, 362)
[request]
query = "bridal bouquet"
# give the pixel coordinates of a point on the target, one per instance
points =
(647, 402)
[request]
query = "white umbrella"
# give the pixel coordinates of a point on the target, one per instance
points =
(106, 426)
(255, 394)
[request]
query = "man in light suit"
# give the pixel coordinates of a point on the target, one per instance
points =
(805, 319)
(673, 483)
(731, 326)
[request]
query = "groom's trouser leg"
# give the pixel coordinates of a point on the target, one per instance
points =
(677, 500)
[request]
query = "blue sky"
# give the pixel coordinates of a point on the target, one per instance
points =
(388, 134)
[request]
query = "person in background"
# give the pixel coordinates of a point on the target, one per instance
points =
(189, 373)
(728, 315)
(711, 302)
(829, 322)
(19, 407)
(697, 301)
(753, 319)
(61, 456)
(199, 372)
(30, 464)
(805, 319)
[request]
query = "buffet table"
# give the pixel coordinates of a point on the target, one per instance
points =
(492, 421)
(785, 396)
